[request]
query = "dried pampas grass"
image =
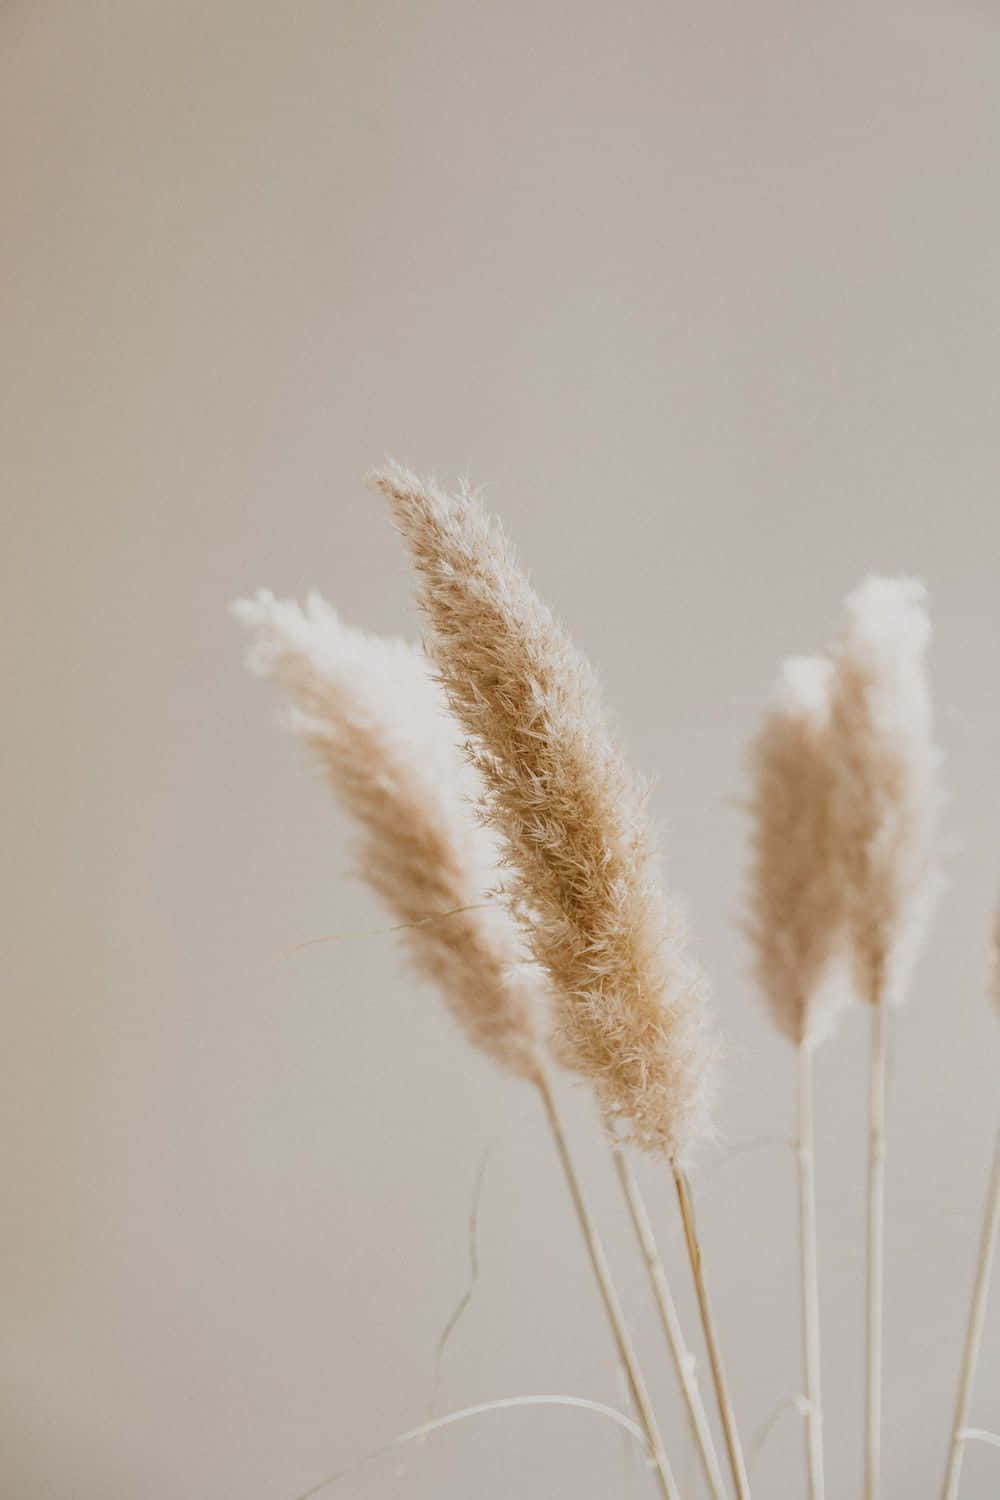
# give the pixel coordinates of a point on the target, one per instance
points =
(630, 1006)
(797, 927)
(796, 894)
(887, 802)
(847, 799)
(888, 790)
(370, 710)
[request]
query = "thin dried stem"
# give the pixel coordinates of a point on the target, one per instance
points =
(974, 1338)
(612, 1306)
(810, 1280)
(876, 1250)
(758, 1439)
(734, 1449)
(465, 1414)
(980, 1435)
(682, 1357)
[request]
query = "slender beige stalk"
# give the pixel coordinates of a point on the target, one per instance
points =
(683, 1359)
(734, 1449)
(612, 1306)
(810, 1280)
(974, 1337)
(876, 1251)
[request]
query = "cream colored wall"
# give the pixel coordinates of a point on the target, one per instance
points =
(707, 296)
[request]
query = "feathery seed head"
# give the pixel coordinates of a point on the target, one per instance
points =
(888, 791)
(796, 899)
(630, 1005)
(379, 724)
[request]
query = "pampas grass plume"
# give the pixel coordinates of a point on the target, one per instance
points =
(796, 897)
(630, 1005)
(888, 793)
(371, 712)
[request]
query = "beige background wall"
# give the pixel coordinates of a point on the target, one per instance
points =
(707, 295)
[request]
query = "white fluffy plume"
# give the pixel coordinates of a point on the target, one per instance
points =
(888, 794)
(377, 720)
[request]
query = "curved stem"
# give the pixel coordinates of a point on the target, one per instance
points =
(759, 1438)
(683, 1360)
(876, 1251)
(980, 1435)
(598, 1260)
(810, 1279)
(734, 1450)
(483, 1408)
(977, 1319)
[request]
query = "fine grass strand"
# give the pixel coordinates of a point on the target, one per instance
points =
(683, 1360)
(808, 1255)
(734, 1449)
(974, 1335)
(465, 1414)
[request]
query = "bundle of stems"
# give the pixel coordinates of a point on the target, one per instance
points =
(847, 799)
(502, 827)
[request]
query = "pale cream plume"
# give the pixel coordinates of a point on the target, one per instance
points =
(630, 1005)
(370, 709)
(888, 788)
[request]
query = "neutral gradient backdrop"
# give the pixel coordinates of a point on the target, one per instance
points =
(707, 297)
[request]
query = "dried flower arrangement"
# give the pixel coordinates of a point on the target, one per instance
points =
(503, 829)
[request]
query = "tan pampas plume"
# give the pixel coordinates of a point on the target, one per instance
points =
(887, 804)
(376, 720)
(796, 893)
(630, 1005)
